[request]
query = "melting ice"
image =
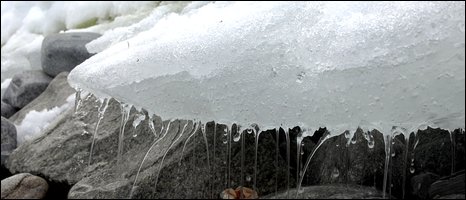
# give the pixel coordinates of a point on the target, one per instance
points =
(339, 65)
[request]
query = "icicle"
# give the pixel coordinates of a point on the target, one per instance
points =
(388, 145)
(207, 151)
(299, 139)
(145, 156)
(287, 135)
(308, 160)
(137, 121)
(276, 160)
(78, 100)
(229, 156)
(152, 126)
(168, 149)
(125, 110)
(242, 159)
(453, 151)
(196, 127)
(213, 158)
(101, 111)
(405, 163)
(256, 130)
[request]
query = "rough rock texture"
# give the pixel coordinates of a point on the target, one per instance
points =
(204, 161)
(25, 87)
(7, 110)
(331, 191)
(54, 96)
(62, 52)
(449, 185)
(8, 139)
(24, 186)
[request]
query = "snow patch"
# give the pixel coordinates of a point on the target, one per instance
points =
(36, 121)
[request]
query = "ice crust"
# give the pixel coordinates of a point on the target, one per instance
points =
(338, 65)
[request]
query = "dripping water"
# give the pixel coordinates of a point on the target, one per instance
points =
(257, 132)
(229, 157)
(276, 160)
(287, 136)
(208, 159)
(308, 160)
(405, 163)
(147, 153)
(213, 157)
(242, 137)
(388, 142)
(100, 116)
(453, 151)
(168, 149)
(78, 100)
(125, 110)
(299, 143)
(196, 127)
(136, 122)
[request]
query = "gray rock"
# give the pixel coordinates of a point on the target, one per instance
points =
(62, 154)
(62, 52)
(331, 191)
(7, 110)
(450, 185)
(24, 186)
(8, 139)
(25, 87)
(421, 183)
(54, 96)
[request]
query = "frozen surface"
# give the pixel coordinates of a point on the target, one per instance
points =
(36, 121)
(333, 64)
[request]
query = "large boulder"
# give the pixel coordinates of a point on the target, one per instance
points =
(7, 110)
(62, 52)
(24, 186)
(25, 87)
(62, 154)
(8, 139)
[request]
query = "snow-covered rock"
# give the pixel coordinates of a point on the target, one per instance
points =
(62, 52)
(25, 87)
(32, 119)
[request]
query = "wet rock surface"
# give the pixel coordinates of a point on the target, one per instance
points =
(203, 161)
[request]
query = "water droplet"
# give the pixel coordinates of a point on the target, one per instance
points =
(370, 144)
(135, 135)
(236, 136)
(393, 154)
(353, 140)
(138, 120)
(248, 178)
(225, 141)
(347, 134)
(335, 173)
(249, 131)
(411, 169)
